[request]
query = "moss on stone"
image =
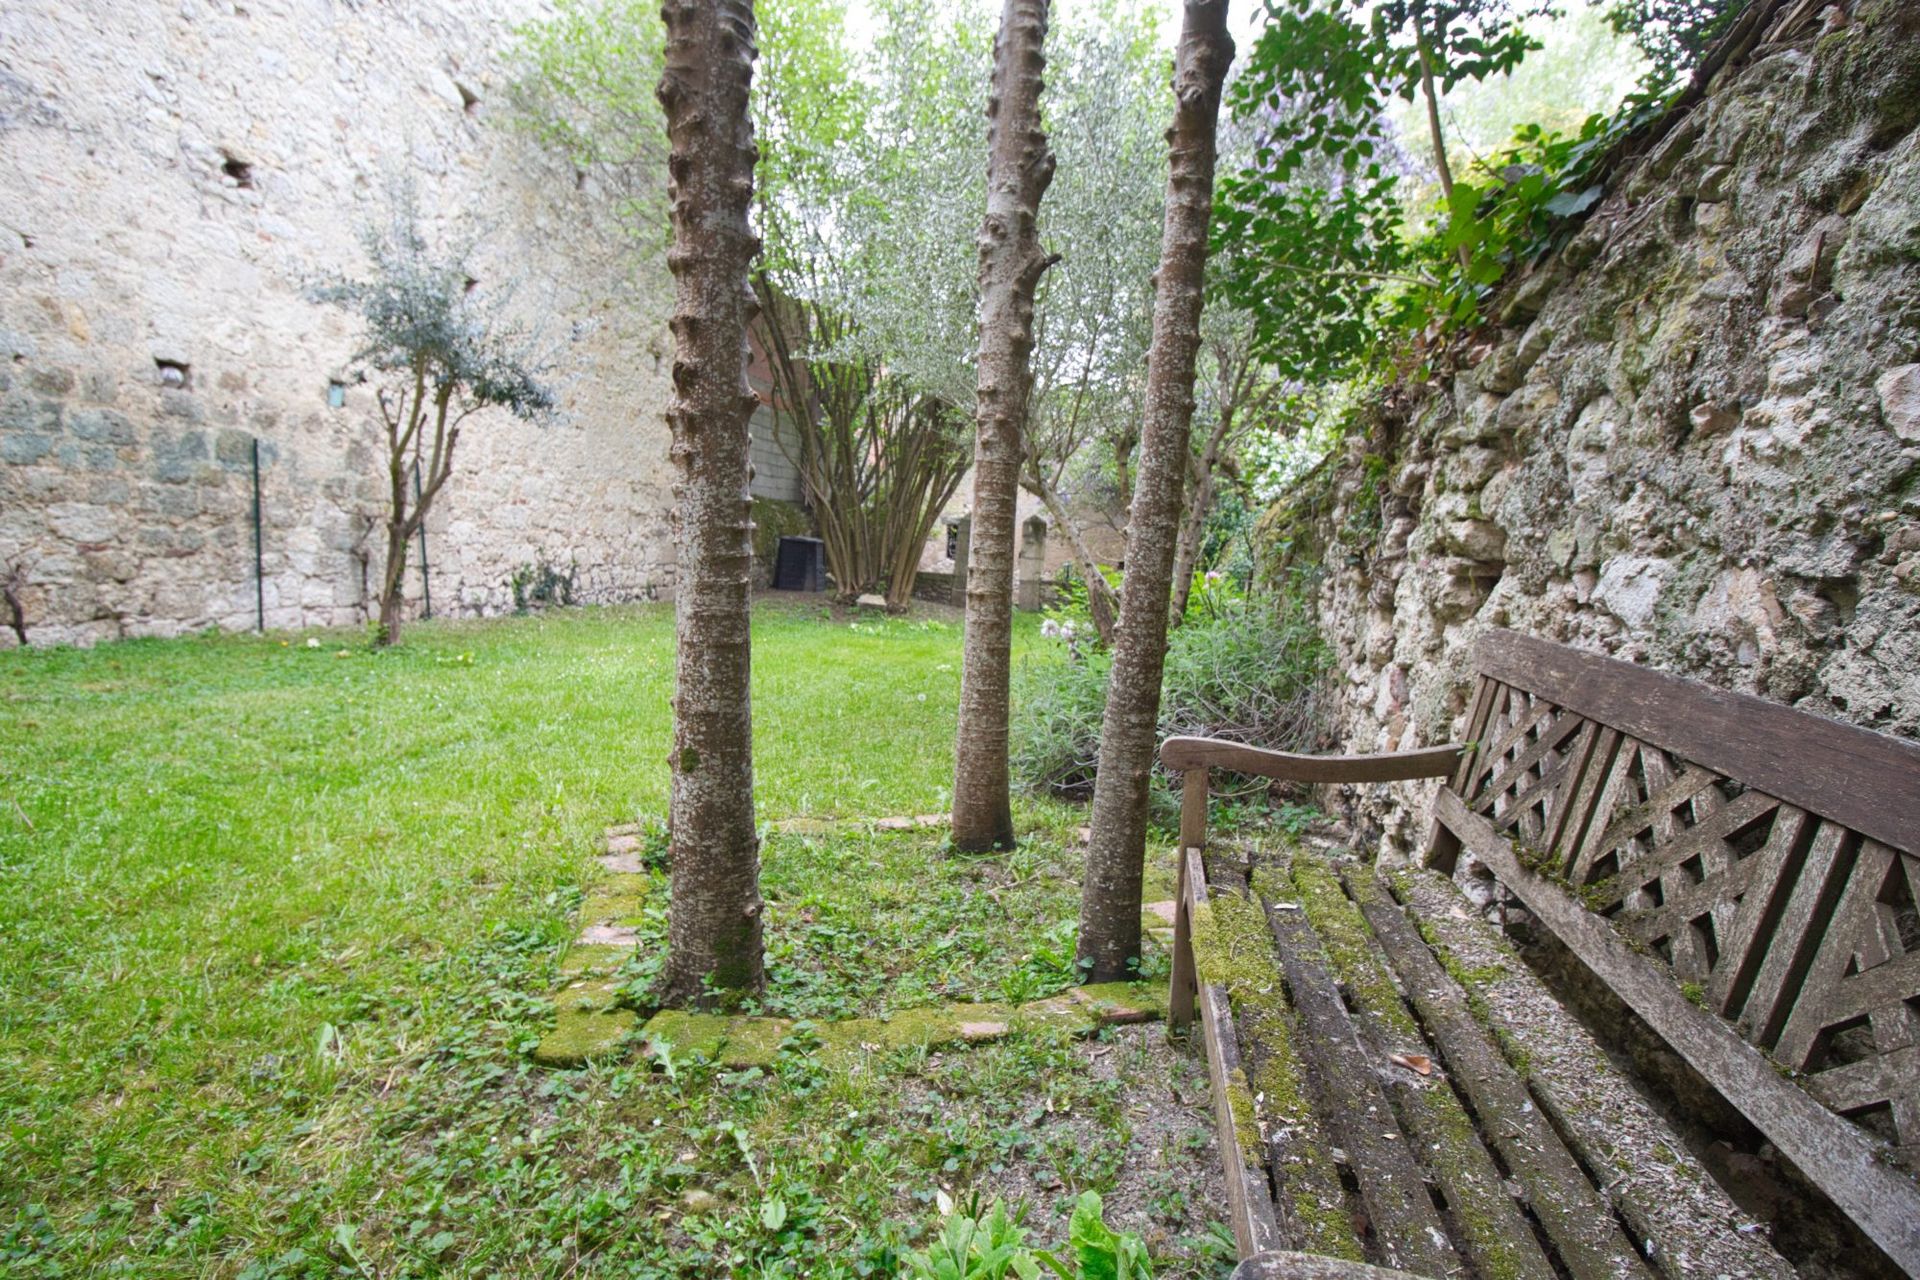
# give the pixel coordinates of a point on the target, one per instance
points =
(618, 899)
(752, 1042)
(584, 959)
(689, 1034)
(579, 1036)
(1111, 1002)
(588, 995)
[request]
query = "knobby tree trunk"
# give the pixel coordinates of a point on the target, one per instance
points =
(1019, 167)
(714, 950)
(1109, 946)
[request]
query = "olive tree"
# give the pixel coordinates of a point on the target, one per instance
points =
(439, 352)
(1106, 105)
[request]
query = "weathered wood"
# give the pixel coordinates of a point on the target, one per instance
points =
(1574, 1215)
(1358, 1116)
(1868, 781)
(1180, 982)
(1193, 809)
(1685, 1222)
(1186, 754)
(1193, 838)
(1278, 1265)
(1483, 695)
(1833, 1153)
(1486, 1225)
(1249, 1205)
(1864, 977)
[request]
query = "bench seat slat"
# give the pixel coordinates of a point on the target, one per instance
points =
(1828, 1149)
(1356, 1111)
(1686, 1220)
(1488, 1228)
(1249, 1198)
(1574, 1215)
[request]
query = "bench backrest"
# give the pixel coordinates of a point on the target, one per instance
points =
(1769, 857)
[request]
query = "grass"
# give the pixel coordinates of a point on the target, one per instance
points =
(278, 924)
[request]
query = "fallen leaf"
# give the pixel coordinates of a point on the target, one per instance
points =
(1413, 1062)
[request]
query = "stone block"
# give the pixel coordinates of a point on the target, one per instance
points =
(30, 415)
(178, 458)
(101, 426)
(233, 449)
(182, 404)
(1899, 392)
(21, 450)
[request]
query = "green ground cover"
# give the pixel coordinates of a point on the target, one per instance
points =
(279, 924)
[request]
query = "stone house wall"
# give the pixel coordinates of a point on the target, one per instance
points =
(1693, 440)
(176, 175)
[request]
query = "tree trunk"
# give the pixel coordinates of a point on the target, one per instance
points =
(1019, 167)
(714, 950)
(393, 583)
(1101, 605)
(1435, 134)
(10, 588)
(1186, 555)
(1109, 946)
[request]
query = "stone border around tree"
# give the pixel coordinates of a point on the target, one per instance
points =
(590, 1023)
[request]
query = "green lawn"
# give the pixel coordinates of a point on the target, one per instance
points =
(278, 924)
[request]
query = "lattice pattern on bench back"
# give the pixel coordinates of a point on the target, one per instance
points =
(1780, 914)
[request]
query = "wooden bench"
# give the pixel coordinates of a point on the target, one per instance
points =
(1394, 1085)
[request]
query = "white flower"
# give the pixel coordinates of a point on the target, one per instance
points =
(313, 642)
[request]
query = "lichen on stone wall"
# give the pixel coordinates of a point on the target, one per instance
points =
(1693, 441)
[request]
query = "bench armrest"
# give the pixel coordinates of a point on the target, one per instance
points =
(1182, 754)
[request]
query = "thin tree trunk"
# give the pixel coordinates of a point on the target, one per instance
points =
(10, 588)
(1434, 133)
(1019, 167)
(714, 949)
(392, 584)
(1186, 555)
(1109, 946)
(1101, 603)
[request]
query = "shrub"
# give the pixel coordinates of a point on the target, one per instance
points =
(992, 1245)
(1251, 669)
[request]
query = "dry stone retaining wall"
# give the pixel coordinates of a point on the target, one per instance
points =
(175, 176)
(1693, 442)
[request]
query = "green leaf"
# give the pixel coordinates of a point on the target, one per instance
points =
(1569, 203)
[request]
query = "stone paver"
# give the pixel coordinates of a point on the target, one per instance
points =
(590, 1021)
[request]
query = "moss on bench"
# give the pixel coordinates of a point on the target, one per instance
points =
(1232, 947)
(1492, 1228)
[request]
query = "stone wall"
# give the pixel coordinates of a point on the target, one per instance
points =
(176, 175)
(1693, 441)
